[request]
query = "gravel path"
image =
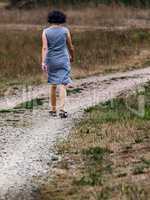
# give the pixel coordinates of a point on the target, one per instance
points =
(27, 136)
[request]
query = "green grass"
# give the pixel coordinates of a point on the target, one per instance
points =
(95, 153)
(34, 103)
(7, 110)
(139, 169)
(30, 104)
(143, 166)
(95, 159)
(74, 91)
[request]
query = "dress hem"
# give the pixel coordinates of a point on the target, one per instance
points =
(59, 83)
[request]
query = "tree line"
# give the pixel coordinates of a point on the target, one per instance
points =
(23, 3)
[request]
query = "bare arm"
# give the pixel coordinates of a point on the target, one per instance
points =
(70, 46)
(44, 47)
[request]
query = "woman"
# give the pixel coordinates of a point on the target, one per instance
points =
(57, 53)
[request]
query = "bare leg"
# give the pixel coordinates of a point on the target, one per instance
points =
(53, 97)
(62, 95)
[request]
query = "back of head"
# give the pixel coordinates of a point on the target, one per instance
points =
(56, 17)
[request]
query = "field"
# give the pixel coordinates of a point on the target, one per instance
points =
(107, 154)
(87, 16)
(20, 60)
(106, 39)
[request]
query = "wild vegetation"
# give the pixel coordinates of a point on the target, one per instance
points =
(93, 31)
(22, 3)
(106, 156)
(102, 15)
(20, 60)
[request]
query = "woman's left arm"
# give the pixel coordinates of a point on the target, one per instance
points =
(70, 46)
(44, 51)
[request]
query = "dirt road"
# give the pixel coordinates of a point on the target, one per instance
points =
(27, 136)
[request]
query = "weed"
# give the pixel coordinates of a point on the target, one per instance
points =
(30, 104)
(74, 91)
(138, 169)
(96, 153)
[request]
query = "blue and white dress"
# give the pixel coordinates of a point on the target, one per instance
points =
(57, 57)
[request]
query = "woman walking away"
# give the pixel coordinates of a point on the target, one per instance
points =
(57, 54)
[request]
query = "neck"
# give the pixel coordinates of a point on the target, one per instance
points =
(55, 25)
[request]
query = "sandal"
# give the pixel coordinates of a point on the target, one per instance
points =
(53, 113)
(63, 114)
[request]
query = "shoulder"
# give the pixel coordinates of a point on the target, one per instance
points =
(45, 30)
(66, 29)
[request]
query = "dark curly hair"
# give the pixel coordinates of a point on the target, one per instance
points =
(57, 17)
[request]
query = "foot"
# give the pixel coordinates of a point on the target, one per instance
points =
(63, 114)
(53, 113)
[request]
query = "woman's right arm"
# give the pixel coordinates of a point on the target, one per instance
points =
(70, 46)
(44, 49)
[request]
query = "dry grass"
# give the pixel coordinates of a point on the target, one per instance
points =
(106, 156)
(96, 16)
(96, 52)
